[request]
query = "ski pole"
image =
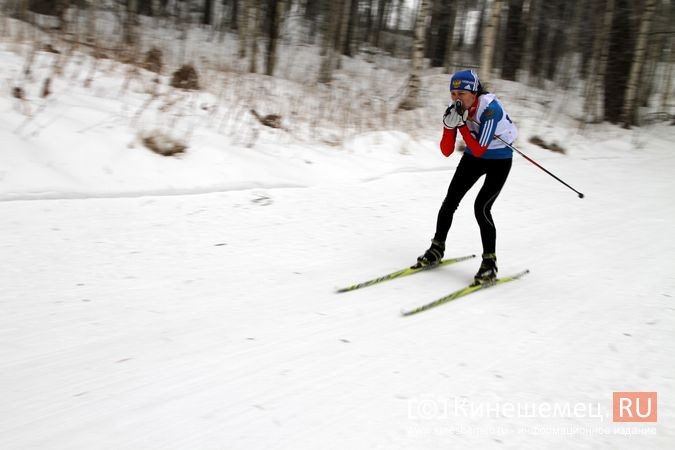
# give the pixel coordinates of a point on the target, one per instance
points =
(525, 156)
(536, 164)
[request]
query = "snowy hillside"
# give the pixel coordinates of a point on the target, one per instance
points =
(189, 302)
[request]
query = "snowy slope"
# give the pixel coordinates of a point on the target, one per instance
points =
(137, 317)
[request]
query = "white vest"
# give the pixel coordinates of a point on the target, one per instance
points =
(505, 128)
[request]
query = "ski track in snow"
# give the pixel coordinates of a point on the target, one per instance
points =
(210, 321)
(143, 193)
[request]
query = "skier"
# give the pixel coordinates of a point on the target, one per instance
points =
(479, 116)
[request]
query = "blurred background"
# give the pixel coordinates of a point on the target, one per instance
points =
(616, 56)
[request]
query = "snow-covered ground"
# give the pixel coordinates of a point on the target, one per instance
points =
(188, 302)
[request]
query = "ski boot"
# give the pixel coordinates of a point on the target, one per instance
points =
(432, 256)
(488, 270)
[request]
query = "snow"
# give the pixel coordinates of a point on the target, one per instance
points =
(188, 302)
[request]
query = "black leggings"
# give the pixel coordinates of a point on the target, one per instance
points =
(469, 170)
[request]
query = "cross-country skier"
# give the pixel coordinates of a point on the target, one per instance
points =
(479, 116)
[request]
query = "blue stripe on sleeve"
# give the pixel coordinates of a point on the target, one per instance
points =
(486, 133)
(488, 122)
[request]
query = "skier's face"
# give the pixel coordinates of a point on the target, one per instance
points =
(467, 98)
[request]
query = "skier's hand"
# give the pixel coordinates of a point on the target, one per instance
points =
(452, 118)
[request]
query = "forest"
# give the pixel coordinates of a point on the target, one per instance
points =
(616, 55)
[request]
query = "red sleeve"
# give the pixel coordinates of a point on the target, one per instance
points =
(471, 142)
(448, 141)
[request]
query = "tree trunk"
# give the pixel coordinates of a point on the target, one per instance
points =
(399, 14)
(145, 8)
(369, 21)
(91, 22)
(412, 100)
(489, 40)
(341, 38)
(379, 24)
(163, 5)
(478, 38)
(596, 76)
(629, 105)
(130, 23)
(253, 14)
(23, 9)
(539, 56)
(433, 28)
(462, 13)
(515, 34)
(670, 60)
(350, 34)
(450, 38)
(275, 9)
(657, 50)
(571, 58)
(442, 25)
(619, 59)
(555, 39)
(234, 15)
(590, 25)
(330, 26)
(242, 26)
(208, 8)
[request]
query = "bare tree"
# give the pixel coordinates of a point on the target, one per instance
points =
(514, 40)
(253, 14)
(544, 16)
(351, 30)
(478, 37)
(399, 14)
(555, 37)
(450, 37)
(656, 54)
(441, 26)
(330, 25)
(670, 60)
(411, 99)
(604, 14)
(275, 10)
(620, 55)
(145, 7)
(489, 36)
(208, 12)
(341, 42)
(368, 27)
(91, 22)
(379, 23)
(571, 57)
(22, 12)
(242, 26)
(629, 105)
(312, 15)
(532, 41)
(130, 23)
(461, 20)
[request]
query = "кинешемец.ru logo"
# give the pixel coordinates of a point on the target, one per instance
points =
(634, 407)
